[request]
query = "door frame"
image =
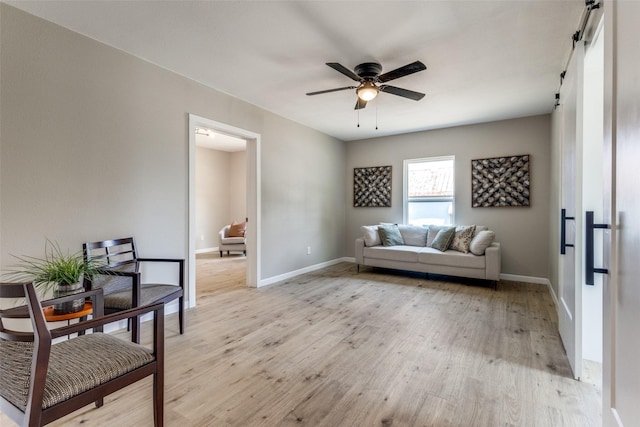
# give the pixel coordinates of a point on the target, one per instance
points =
(253, 200)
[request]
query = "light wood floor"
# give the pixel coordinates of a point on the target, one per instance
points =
(378, 348)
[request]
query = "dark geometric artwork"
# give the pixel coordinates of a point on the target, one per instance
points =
(372, 187)
(500, 181)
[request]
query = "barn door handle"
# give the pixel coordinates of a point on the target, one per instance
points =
(590, 269)
(563, 231)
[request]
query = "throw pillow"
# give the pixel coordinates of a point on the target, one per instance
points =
(482, 241)
(462, 238)
(237, 229)
(433, 232)
(390, 235)
(413, 235)
(443, 238)
(370, 235)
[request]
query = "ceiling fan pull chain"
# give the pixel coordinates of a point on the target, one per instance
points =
(358, 117)
(376, 115)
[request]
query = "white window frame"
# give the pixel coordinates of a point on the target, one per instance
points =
(405, 186)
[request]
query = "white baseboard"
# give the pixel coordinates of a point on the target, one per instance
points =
(289, 275)
(525, 279)
(206, 250)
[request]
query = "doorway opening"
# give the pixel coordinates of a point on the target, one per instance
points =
(202, 235)
(221, 195)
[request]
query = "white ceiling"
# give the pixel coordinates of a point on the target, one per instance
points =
(486, 59)
(221, 142)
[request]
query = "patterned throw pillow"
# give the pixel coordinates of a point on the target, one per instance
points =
(390, 235)
(463, 237)
(443, 238)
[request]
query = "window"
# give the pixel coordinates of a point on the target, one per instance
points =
(428, 191)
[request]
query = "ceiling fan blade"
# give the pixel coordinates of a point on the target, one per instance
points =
(344, 70)
(330, 90)
(360, 104)
(414, 67)
(405, 93)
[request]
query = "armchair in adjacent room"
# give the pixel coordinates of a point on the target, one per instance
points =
(231, 238)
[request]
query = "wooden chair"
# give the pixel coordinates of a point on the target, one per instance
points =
(122, 282)
(41, 382)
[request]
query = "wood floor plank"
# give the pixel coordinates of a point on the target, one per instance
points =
(334, 347)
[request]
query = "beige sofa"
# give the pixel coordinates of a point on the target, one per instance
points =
(416, 255)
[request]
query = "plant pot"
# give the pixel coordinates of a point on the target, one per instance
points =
(72, 306)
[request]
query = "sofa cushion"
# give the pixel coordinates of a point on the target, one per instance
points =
(481, 242)
(232, 240)
(443, 238)
(413, 235)
(462, 238)
(450, 258)
(390, 235)
(370, 235)
(393, 253)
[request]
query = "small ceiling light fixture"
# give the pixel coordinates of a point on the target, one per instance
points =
(204, 132)
(367, 91)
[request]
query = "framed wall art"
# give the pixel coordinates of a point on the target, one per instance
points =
(372, 187)
(500, 181)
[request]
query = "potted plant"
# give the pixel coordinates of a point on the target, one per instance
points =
(58, 271)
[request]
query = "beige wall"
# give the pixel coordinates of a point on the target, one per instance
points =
(94, 145)
(237, 186)
(522, 232)
(221, 192)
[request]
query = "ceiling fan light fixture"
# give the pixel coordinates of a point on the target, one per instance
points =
(367, 91)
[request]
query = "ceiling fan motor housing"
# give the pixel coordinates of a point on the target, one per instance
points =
(368, 70)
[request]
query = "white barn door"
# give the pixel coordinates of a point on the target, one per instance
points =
(570, 289)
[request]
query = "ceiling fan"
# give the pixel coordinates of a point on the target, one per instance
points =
(370, 79)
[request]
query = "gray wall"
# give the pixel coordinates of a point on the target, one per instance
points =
(94, 145)
(522, 232)
(221, 191)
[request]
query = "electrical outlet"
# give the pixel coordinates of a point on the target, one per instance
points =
(308, 250)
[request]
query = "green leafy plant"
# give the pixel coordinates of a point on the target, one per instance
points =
(56, 268)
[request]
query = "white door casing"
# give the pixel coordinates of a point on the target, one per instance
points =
(253, 201)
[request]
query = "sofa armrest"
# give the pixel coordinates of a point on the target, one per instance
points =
(359, 251)
(222, 234)
(493, 261)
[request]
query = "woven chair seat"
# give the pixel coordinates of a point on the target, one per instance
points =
(149, 293)
(75, 366)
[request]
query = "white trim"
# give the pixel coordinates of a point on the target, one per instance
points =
(616, 417)
(525, 279)
(207, 250)
(289, 275)
(405, 196)
(253, 236)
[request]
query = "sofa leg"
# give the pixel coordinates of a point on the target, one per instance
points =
(220, 254)
(357, 268)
